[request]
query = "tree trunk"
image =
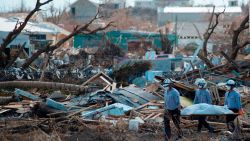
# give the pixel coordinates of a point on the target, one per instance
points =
(230, 61)
(235, 46)
(206, 61)
(42, 85)
(45, 64)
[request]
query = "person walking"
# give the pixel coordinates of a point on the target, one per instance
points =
(172, 108)
(202, 95)
(233, 102)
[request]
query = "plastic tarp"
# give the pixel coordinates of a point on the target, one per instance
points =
(116, 109)
(205, 109)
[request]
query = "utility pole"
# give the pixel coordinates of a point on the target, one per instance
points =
(176, 34)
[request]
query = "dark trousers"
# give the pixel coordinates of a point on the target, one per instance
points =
(230, 120)
(203, 122)
(175, 115)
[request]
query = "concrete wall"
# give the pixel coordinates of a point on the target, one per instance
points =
(21, 39)
(84, 10)
(145, 4)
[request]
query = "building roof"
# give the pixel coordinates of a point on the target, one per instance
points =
(107, 1)
(201, 9)
(55, 27)
(79, 2)
(97, 2)
(7, 25)
(187, 29)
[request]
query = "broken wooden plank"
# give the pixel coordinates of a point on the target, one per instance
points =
(56, 105)
(149, 116)
(183, 86)
(135, 113)
(28, 95)
(157, 115)
(4, 110)
(17, 106)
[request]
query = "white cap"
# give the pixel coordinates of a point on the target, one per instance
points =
(231, 83)
(200, 81)
(167, 82)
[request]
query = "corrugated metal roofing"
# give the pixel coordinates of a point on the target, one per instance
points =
(133, 96)
(7, 25)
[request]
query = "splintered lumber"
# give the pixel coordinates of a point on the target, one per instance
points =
(42, 85)
(157, 115)
(152, 110)
(157, 94)
(149, 116)
(16, 106)
(183, 86)
(137, 114)
(142, 106)
(149, 112)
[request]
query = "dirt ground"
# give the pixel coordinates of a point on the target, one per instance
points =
(89, 134)
(75, 130)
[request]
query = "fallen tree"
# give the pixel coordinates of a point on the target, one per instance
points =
(42, 85)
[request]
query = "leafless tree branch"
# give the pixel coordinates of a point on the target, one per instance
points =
(210, 30)
(77, 30)
(244, 44)
(197, 30)
(18, 29)
(235, 45)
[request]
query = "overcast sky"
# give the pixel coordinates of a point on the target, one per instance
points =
(7, 5)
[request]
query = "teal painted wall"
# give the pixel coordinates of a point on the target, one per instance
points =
(120, 38)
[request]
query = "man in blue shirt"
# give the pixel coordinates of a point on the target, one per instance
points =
(172, 108)
(233, 102)
(202, 95)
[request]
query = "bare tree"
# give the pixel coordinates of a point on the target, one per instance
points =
(236, 46)
(85, 29)
(165, 43)
(20, 26)
(55, 15)
(214, 21)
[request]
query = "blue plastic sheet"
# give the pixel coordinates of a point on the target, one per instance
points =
(205, 109)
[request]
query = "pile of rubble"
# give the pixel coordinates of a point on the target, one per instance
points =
(128, 112)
